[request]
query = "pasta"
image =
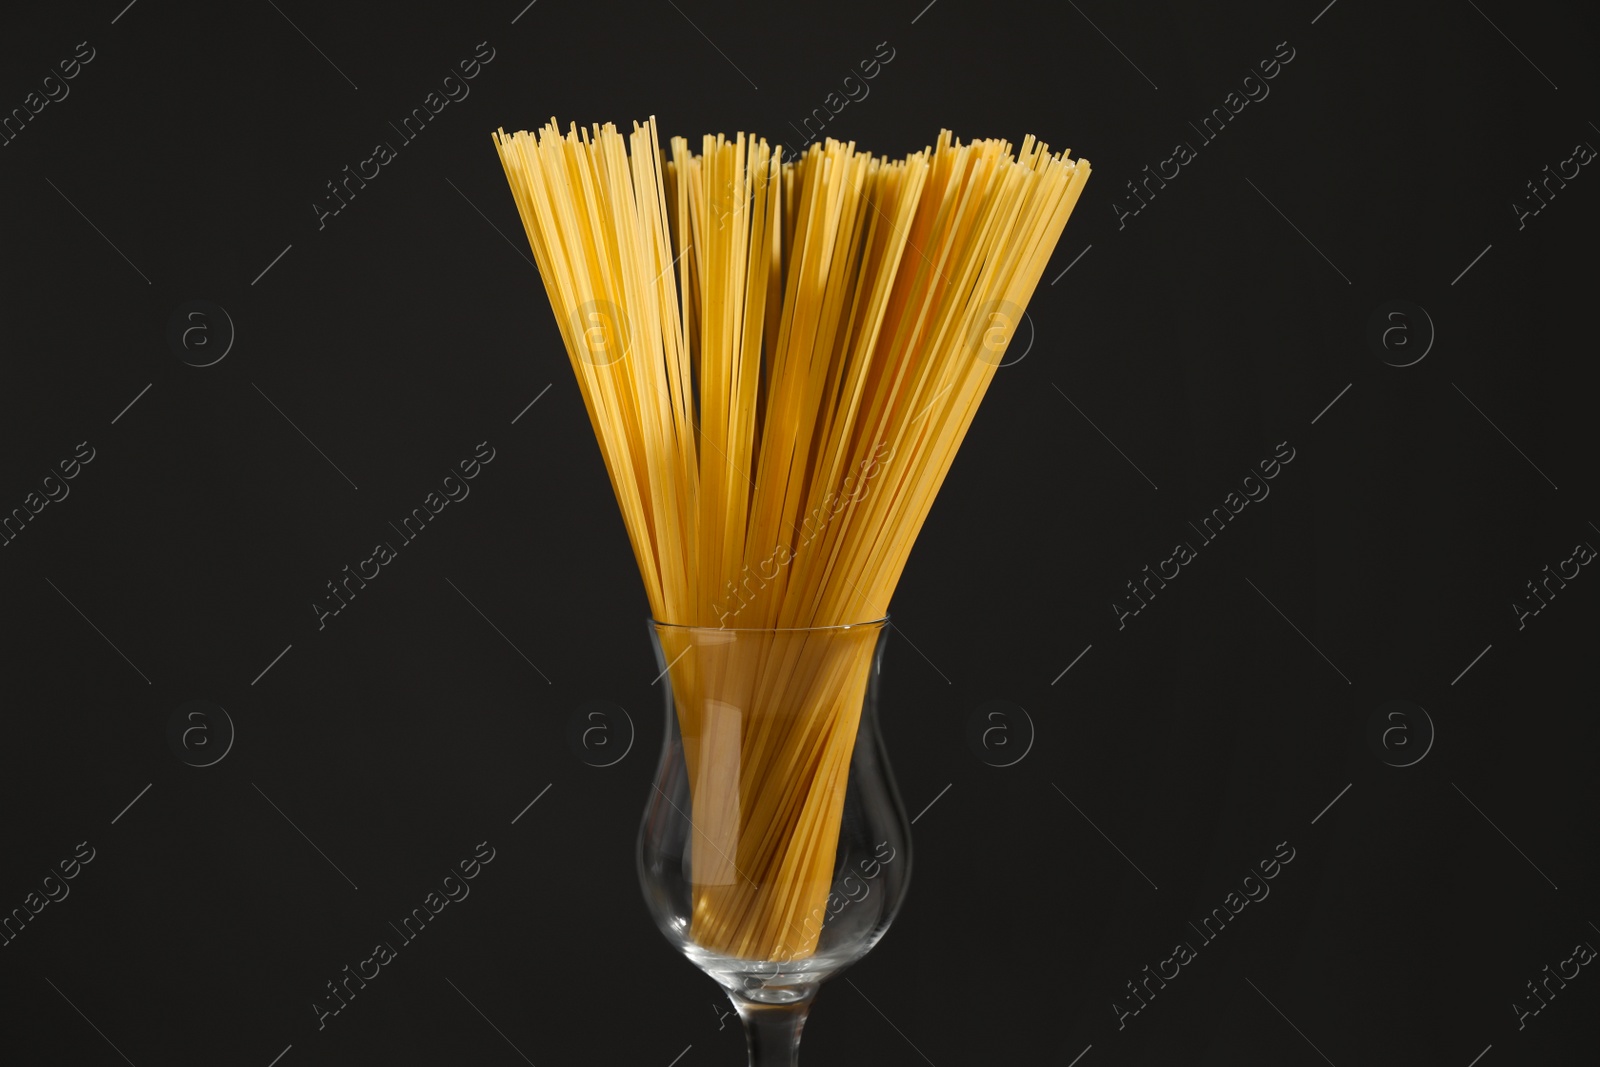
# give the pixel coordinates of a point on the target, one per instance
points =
(779, 360)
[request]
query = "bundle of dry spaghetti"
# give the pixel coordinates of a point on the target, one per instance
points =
(779, 360)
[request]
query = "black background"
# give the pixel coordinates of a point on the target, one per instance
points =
(1197, 336)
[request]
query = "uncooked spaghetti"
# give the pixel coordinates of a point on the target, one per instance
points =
(779, 360)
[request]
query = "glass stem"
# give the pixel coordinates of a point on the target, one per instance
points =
(773, 1030)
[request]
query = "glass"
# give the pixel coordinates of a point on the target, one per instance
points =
(775, 849)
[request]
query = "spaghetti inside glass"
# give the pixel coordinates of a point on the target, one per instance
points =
(770, 891)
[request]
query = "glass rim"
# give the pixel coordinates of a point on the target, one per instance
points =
(878, 623)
